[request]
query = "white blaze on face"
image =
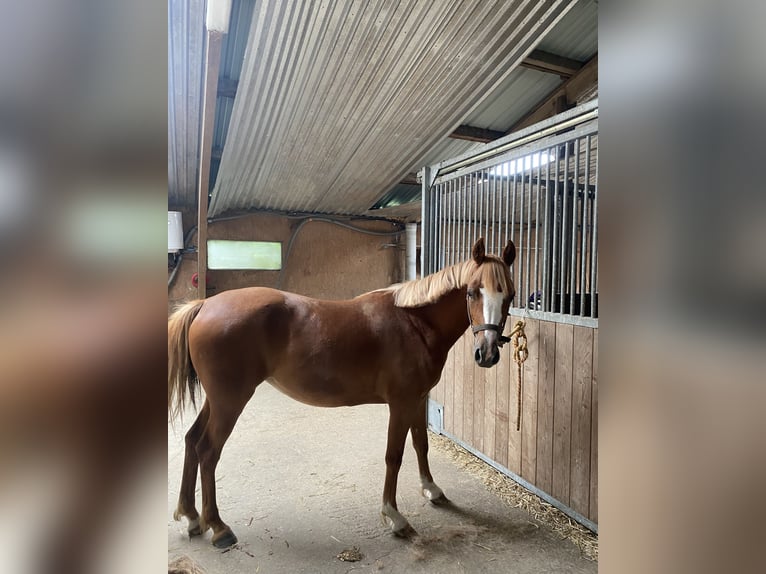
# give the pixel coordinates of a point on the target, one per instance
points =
(493, 306)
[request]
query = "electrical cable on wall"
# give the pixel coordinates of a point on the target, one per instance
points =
(300, 226)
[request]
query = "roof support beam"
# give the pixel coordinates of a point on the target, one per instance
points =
(563, 97)
(551, 63)
(474, 134)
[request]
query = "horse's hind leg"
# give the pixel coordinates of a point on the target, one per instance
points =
(224, 412)
(399, 421)
(420, 442)
(186, 506)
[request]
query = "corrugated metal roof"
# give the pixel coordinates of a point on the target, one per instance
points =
(338, 101)
(576, 35)
(185, 52)
(519, 93)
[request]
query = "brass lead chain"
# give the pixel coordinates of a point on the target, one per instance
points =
(520, 354)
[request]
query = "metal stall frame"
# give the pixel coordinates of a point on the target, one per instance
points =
(550, 206)
(443, 244)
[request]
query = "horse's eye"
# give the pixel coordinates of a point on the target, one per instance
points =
(471, 293)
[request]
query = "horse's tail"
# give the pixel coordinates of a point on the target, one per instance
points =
(182, 379)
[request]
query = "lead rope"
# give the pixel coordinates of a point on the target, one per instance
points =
(520, 354)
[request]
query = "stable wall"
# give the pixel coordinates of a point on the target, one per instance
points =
(556, 448)
(326, 261)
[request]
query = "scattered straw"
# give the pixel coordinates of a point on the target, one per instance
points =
(184, 565)
(515, 495)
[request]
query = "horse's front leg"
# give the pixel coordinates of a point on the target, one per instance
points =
(399, 421)
(420, 441)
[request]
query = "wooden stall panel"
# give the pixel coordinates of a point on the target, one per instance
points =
(479, 378)
(529, 403)
(593, 512)
(449, 389)
(467, 384)
(562, 413)
(514, 436)
(489, 408)
(546, 370)
(457, 389)
(503, 383)
(579, 492)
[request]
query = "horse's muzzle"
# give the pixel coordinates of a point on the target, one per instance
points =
(486, 359)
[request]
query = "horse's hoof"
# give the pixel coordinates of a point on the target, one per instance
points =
(195, 531)
(224, 539)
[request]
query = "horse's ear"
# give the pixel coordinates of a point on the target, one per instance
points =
(509, 253)
(477, 253)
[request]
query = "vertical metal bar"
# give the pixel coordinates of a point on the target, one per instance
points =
(514, 167)
(555, 263)
(442, 222)
(434, 227)
(563, 259)
(499, 182)
(485, 206)
(500, 211)
(453, 223)
(546, 222)
(447, 224)
(529, 230)
(424, 220)
(456, 207)
(537, 229)
(493, 187)
(471, 224)
(522, 244)
(480, 205)
(575, 203)
(463, 218)
(584, 231)
(594, 245)
(506, 189)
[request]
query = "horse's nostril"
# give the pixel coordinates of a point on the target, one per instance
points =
(477, 355)
(496, 359)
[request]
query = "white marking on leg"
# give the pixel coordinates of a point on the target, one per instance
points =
(393, 518)
(493, 306)
(193, 523)
(430, 490)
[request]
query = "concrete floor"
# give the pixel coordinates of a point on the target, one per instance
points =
(298, 485)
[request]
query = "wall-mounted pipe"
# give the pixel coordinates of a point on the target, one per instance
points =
(412, 250)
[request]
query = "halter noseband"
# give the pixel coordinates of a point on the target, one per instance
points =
(501, 339)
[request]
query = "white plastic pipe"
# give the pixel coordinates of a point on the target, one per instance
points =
(217, 17)
(412, 250)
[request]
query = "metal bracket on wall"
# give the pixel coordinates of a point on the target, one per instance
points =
(435, 416)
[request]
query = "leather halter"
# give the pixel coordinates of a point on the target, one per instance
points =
(501, 339)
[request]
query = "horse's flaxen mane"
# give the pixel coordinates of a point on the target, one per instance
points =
(430, 288)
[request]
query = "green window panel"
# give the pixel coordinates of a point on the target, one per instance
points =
(222, 254)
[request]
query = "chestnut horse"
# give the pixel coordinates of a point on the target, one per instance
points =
(386, 346)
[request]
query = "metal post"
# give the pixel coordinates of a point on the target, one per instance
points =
(212, 64)
(426, 223)
(411, 230)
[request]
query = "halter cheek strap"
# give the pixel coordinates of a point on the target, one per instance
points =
(501, 339)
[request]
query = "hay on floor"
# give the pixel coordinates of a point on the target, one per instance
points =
(184, 565)
(515, 495)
